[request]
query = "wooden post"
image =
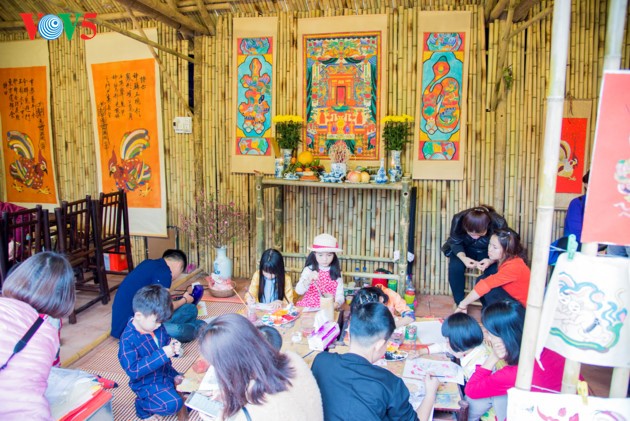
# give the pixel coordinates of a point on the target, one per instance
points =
(260, 216)
(546, 190)
(498, 103)
(403, 232)
(278, 218)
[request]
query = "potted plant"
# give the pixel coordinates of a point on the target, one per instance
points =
(288, 134)
(396, 132)
(215, 224)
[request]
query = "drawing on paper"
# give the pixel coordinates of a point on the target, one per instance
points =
(586, 318)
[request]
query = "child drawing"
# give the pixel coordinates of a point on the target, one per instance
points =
(585, 318)
(321, 273)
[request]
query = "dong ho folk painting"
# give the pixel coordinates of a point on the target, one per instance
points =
(342, 85)
(441, 119)
(254, 47)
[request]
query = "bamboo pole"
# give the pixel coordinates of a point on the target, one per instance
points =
(546, 187)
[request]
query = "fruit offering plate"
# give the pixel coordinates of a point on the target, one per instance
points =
(280, 317)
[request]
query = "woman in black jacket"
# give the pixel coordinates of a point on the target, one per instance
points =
(467, 246)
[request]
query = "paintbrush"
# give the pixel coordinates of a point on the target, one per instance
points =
(239, 297)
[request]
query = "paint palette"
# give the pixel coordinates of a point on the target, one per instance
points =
(280, 317)
(396, 355)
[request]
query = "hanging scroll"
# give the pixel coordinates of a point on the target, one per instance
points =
(254, 49)
(573, 151)
(585, 311)
(343, 85)
(607, 213)
(440, 132)
(28, 159)
(126, 108)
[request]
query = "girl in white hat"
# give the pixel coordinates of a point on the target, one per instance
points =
(321, 273)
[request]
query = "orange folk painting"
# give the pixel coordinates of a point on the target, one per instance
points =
(26, 143)
(127, 129)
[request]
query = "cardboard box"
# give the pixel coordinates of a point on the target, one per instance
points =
(321, 338)
(116, 262)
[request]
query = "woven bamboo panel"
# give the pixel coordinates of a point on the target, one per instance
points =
(365, 223)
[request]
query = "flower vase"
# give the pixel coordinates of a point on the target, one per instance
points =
(222, 265)
(381, 175)
(287, 154)
(395, 167)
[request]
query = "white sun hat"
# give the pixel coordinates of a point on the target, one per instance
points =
(325, 243)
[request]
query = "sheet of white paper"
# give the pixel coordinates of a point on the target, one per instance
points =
(430, 332)
(209, 381)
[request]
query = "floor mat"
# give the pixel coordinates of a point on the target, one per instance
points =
(103, 360)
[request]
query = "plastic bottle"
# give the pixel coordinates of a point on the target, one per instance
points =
(356, 278)
(365, 281)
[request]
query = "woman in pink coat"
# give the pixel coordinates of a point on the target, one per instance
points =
(41, 287)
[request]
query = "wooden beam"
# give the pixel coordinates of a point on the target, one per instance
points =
(487, 9)
(102, 17)
(146, 41)
(521, 11)
(147, 6)
(532, 21)
(205, 16)
(159, 62)
(498, 9)
(122, 31)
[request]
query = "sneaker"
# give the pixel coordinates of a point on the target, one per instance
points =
(197, 293)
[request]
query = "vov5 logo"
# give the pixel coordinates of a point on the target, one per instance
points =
(51, 26)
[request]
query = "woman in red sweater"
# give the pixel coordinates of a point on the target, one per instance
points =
(487, 389)
(511, 280)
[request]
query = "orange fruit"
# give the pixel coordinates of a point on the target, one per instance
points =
(365, 177)
(293, 160)
(305, 157)
(298, 169)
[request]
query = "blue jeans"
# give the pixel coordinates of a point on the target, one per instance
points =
(183, 325)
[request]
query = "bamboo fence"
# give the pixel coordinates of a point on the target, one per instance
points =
(364, 222)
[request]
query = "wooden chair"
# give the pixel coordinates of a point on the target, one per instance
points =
(23, 234)
(113, 222)
(79, 240)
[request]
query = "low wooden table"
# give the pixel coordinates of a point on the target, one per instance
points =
(449, 397)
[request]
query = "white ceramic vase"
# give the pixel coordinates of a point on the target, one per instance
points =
(222, 266)
(287, 154)
(395, 166)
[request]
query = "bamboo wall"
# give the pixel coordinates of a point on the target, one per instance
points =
(364, 223)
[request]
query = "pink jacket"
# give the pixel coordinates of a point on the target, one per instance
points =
(23, 383)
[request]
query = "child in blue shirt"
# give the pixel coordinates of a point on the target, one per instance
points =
(145, 354)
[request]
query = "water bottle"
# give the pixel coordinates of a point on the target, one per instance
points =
(356, 279)
(365, 280)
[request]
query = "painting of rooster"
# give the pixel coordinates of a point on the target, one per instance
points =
(131, 173)
(26, 171)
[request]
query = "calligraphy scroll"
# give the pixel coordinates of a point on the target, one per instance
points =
(443, 46)
(127, 116)
(28, 159)
(343, 85)
(254, 89)
(607, 213)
